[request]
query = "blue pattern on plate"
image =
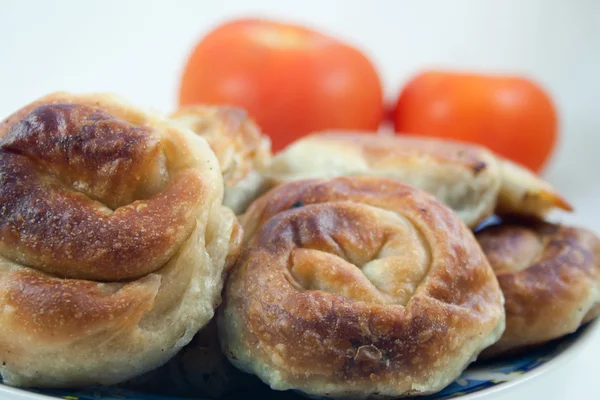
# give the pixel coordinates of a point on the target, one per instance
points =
(478, 377)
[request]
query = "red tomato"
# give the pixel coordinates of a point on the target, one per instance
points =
(512, 116)
(291, 80)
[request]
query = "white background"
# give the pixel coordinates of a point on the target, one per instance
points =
(138, 48)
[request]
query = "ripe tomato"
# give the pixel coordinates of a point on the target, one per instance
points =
(512, 116)
(291, 80)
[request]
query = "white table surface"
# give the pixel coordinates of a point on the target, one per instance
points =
(137, 49)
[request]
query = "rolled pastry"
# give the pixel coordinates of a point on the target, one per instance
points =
(242, 150)
(353, 287)
(113, 241)
(471, 180)
(550, 276)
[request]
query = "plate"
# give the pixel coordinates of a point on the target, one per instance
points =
(480, 379)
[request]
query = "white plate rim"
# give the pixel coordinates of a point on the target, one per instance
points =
(567, 354)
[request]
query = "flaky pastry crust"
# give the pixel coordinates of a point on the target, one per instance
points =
(550, 277)
(355, 287)
(113, 241)
(242, 150)
(471, 180)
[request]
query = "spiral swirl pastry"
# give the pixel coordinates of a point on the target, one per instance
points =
(470, 179)
(550, 277)
(352, 287)
(113, 241)
(242, 150)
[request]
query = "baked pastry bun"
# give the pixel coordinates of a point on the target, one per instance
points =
(471, 180)
(113, 241)
(352, 287)
(550, 276)
(242, 150)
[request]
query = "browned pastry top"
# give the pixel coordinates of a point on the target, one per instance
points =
(385, 150)
(355, 286)
(236, 140)
(241, 148)
(87, 195)
(470, 179)
(550, 276)
(113, 240)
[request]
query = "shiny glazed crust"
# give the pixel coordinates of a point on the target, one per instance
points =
(471, 180)
(113, 241)
(353, 287)
(550, 276)
(242, 150)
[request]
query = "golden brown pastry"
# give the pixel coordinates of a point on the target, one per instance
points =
(242, 150)
(550, 276)
(113, 241)
(470, 179)
(352, 287)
